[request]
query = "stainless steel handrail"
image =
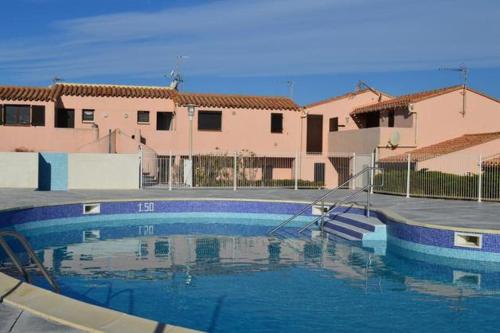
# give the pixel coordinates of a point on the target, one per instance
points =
(27, 247)
(353, 177)
(335, 205)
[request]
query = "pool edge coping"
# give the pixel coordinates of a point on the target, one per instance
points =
(73, 313)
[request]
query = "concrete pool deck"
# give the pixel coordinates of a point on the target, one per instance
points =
(437, 212)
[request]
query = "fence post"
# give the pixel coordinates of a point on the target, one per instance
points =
(141, 167)
(372, 173)
(235, 171)
(170, 171)
(408, 173)
(480, 180)
(353, 170)
(296, 176)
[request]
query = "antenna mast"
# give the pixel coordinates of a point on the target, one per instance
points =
(465, 75)
(175, 74)
(291, 86)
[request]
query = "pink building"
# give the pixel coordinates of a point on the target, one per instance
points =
(79, 118)
(316, 143)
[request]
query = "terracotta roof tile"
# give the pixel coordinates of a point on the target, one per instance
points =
(97, 90)
(445, 147)
(236, 101)
(494, 161)
(404, 100)
(25, 94)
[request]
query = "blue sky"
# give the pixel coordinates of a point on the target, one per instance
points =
(254, 47)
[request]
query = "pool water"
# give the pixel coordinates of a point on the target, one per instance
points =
(226, 275)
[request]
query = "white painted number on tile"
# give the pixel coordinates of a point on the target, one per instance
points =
(146, 207)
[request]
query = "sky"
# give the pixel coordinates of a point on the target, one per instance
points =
(254, 47)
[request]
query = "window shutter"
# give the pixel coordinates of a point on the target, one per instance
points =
(38, 115)
(1, 114)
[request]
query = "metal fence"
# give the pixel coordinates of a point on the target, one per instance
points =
(237, 170)
(451, 176)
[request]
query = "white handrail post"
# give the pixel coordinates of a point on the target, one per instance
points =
(170, 171)
(353, 170)
(480, 180)
(235, 170)
(408, 173)
(372, 173)
(296, 176)
(141, 167)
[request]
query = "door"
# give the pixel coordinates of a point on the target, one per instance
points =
(319, 173)
(314, 133)
(65, 118)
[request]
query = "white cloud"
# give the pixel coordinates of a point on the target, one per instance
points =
(263, 37)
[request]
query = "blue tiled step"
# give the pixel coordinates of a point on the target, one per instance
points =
(360, 221)
(356, 227)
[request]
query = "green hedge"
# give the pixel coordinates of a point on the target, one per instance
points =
(439, 184)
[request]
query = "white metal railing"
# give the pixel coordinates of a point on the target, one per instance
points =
(451, 176)
(234, 170)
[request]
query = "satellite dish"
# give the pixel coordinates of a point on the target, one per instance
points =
(394, 140)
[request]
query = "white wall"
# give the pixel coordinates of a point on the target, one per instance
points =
(103, 171)
(19, 170)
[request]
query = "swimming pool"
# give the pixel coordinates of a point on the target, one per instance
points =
(217, 270)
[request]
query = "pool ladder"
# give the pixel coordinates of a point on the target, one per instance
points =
(370, 171)
(31, 254)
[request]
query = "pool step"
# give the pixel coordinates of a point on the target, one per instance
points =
(356, 227)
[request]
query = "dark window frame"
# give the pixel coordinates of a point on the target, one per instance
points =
(333, 124)
(205, 128)
(88, 120)
(166, 113)
(17, 115)
(143, 112)
(277, 129)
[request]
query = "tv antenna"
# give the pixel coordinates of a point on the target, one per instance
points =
(175, 73)
(361, 84)
(465, 76)
(56, 79)
(291, 85)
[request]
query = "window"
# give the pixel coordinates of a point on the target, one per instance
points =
(164, 121)
(334, 124)
(276, 123)
(65, 118)
(1, 114)
(391, 118)
(209, 120)
(143, 117)
(87, 115)
(38, 115)
(17, 115)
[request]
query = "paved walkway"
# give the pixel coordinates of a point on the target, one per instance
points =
(14, 320)
(453, 213)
